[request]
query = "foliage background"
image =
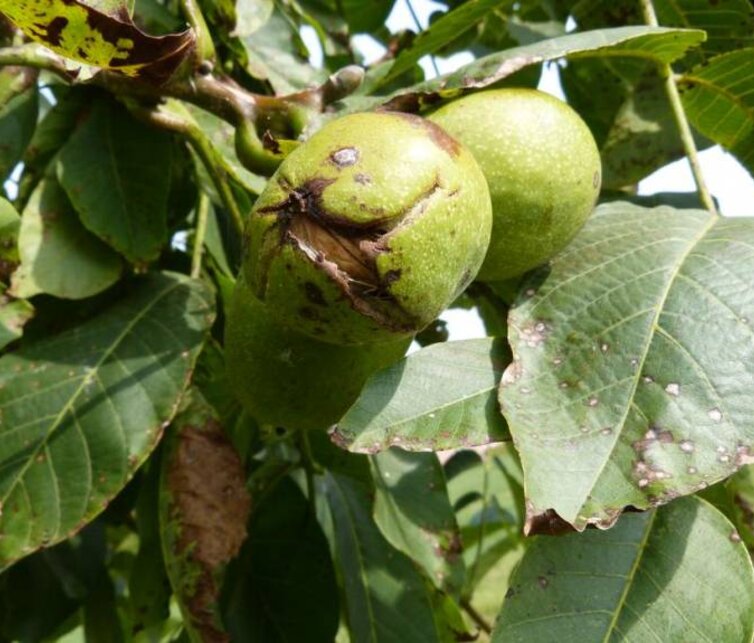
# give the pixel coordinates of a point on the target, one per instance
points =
(113, 400)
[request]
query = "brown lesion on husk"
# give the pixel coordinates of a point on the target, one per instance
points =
(210, 506)
(345, 250)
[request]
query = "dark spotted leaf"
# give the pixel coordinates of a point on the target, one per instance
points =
(52, 236)
(413, 512)
(644, 43)
(441, 397)
(679, 573)
(99, 33)
(633, 373)
(116, 172)
(719, 100)
(202, 517)
(80, 411)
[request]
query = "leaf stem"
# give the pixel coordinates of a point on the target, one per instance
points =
(476, 617)
(193, 14)
(684, 129)
(202, 213)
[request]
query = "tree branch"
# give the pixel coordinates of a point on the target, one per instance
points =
(205, 150)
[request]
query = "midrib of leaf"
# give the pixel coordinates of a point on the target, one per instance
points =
(92, 373)
(650, 335)
(362, 572)
(630, 578)
(119, 184)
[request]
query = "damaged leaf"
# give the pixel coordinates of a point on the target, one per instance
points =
(648, 578)
(633, 374)
(646, 43)
(80, 411)
(441, 397)
(204, 507)
(14, 313)
(100, 34)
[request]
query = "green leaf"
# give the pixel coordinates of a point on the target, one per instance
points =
(58, 255)
(487, 495)
(148, 583)
(643, 136)
(275, 54)
(644, 43)
(413, 511)
(741, 490)
(633, 373)
(252, 15)
(365, 16)
(718, 98)
(80, 411)
(729, 24)
(19, 107)
(81, 31)
(673, 574)
(282, 587)
(385, 595)
(441, 32)
(51, 133)
(441, 397)
(10, 223)
(202, 518)
(116, 172)
(59, 578)
(222, 136)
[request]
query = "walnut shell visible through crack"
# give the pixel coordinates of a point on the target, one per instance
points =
(368, 230)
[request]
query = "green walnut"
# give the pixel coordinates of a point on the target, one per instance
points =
(284, 378)
(542, 167)
(368, 230)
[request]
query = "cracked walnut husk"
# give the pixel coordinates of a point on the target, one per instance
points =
(368, 230)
